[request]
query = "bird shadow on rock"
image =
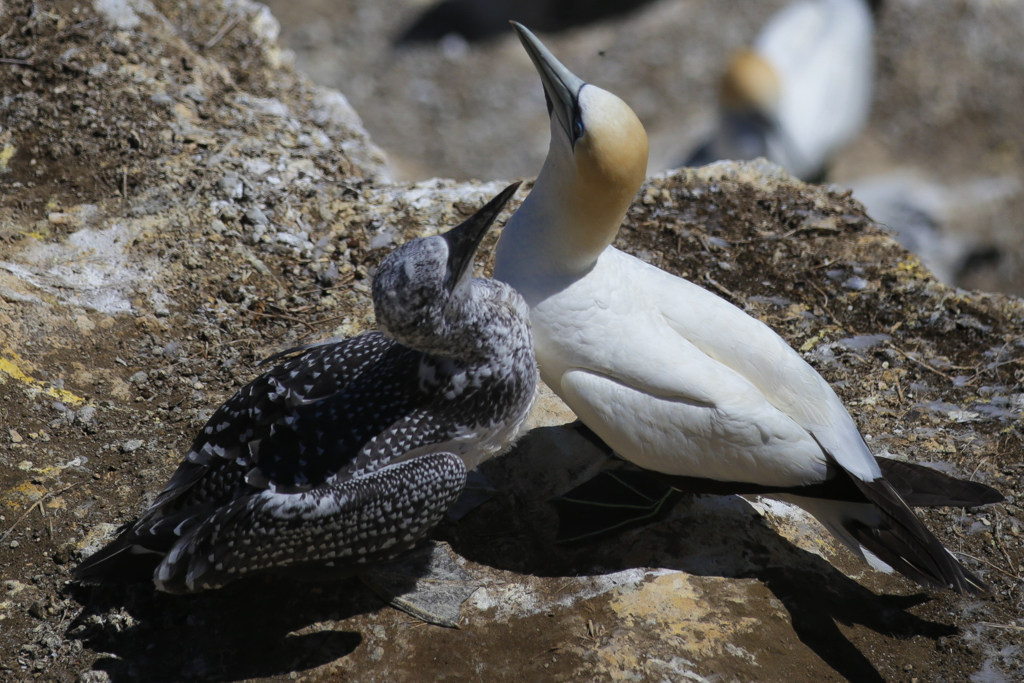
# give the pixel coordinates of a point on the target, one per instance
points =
(253, 628)
(703, 535)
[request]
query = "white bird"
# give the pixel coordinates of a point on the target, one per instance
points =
(673, 378)
(801, 92)
(923, 213)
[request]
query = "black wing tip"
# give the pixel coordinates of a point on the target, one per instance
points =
(115, 565)
(908, 546)
(922, 486)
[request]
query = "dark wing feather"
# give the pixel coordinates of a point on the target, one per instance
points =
(904, 542)
(921, 486)
(259, 423)
(281, 422)
(365, 520)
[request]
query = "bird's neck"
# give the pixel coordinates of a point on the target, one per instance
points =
(561, 229)
(484, 321)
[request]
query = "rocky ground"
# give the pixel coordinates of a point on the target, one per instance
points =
(945, 127)
(177, 202)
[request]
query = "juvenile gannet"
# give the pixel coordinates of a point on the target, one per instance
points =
(348, 453)
(801, 92)
(673, 378)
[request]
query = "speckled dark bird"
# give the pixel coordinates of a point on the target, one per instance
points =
(347, 453)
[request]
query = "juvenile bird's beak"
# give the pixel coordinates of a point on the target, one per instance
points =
(561, 86)
(464, 238)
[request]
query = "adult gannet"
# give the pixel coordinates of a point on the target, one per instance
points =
(801, 92)
(673, 378)
(349, 452)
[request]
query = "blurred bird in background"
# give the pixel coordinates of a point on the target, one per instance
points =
(921, 211)
(802, 90)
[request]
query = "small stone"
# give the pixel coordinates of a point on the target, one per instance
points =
(232, 186)
(254, 216)
(85, 415)
(15, 544)
(172, 351)
(37, 610)
(94, 677)
(15, 436)
(329, 277)
(131, 446)
(139, 377)
(856, 284)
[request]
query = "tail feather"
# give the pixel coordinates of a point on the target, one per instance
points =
(887, 535)
(904, 542)
(921, 486)
(133, 556)
(119, 562)
(897, 536)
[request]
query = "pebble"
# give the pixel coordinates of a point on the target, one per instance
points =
(85, 414)
(131, 446)
(254, 216)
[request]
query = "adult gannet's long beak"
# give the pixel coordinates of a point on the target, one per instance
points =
(464, 238)
(561, 86)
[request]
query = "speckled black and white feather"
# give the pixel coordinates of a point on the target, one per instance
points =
(349, 452)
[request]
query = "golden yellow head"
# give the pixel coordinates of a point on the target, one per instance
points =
(611, 156)
(750, 83)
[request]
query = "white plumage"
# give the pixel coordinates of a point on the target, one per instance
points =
(670, 376)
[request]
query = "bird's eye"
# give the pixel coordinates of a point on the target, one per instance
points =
(577, 129)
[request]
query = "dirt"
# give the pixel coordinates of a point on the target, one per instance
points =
(252, 217)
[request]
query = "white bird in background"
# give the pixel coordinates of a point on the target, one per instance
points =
(924, 214)
(673, 378)
(801, 92)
